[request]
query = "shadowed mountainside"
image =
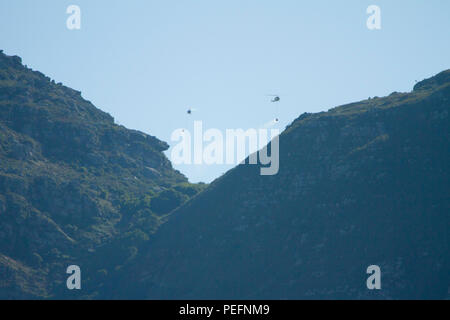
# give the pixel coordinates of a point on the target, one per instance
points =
(75, 188)
(362, 184)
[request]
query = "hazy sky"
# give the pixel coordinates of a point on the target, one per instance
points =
(146, 62)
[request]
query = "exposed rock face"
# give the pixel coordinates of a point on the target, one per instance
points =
(72, 183)
(362, 184)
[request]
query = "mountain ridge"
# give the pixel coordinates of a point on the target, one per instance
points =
(72, 182)
(364, 183)
(361, 184)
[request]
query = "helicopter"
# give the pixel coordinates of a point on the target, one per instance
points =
(191, 110)
(275, 97)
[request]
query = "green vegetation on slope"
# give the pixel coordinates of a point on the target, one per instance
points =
(75, 188)
(362, 184)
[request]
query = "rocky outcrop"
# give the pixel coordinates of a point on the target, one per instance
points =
(362, 184)
(72, 182)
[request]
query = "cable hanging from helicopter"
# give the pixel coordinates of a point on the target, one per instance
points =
(275, 98)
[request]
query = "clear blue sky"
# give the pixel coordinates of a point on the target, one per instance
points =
(145, 61)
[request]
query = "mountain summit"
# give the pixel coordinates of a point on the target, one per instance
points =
(363, 184)
(75, 188)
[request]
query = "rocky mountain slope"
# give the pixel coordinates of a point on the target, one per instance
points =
(362, 184)
(75, 188)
